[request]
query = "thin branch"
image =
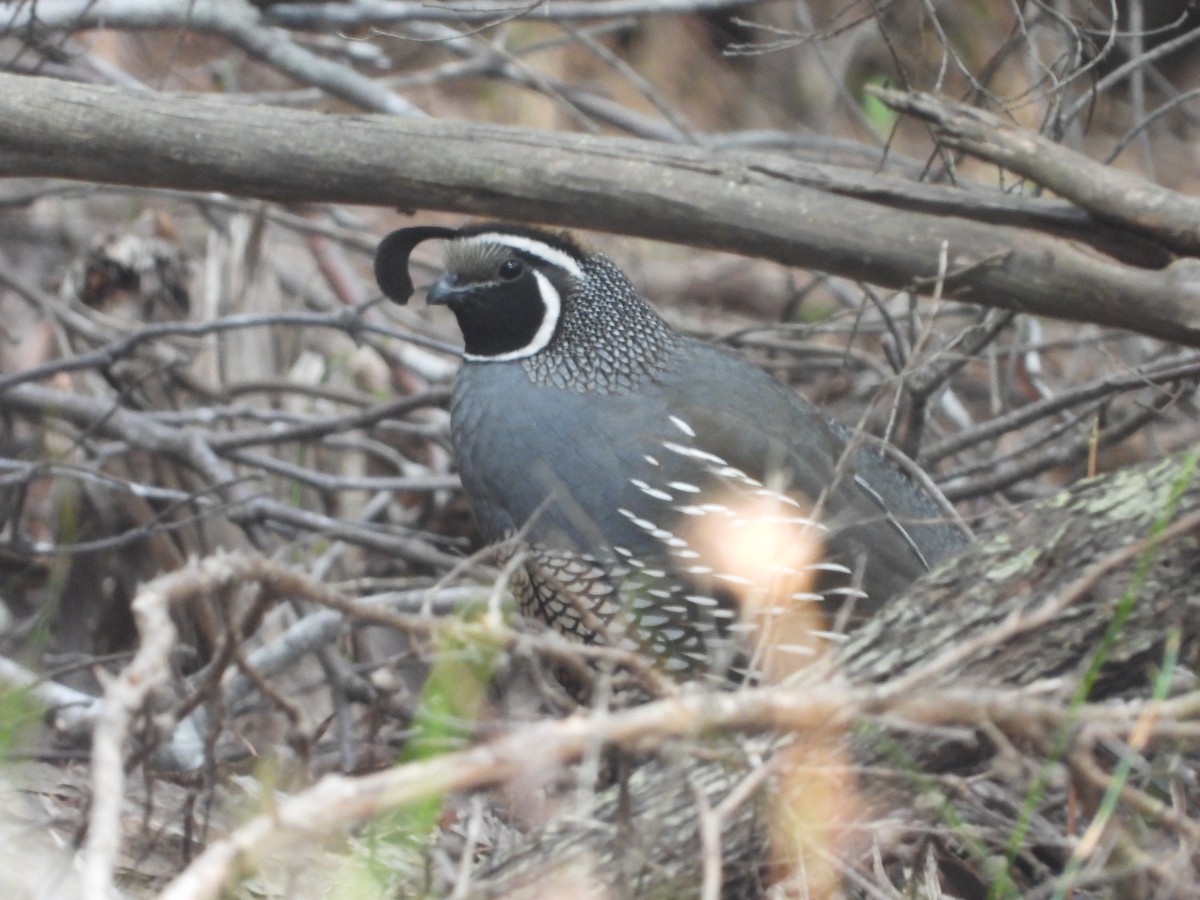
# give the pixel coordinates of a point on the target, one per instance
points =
(1109, 193)
(360, 13)
(1178, 368)
(239, 22)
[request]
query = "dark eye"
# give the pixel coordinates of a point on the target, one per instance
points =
(511, 268)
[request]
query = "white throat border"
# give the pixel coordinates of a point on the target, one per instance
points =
(551, 300)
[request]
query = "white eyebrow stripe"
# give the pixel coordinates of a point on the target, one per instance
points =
(541, 250)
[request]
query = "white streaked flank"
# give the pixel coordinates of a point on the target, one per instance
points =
(794, 649)
(683, 426)
(835, 636)
(694, 453)
(650, 491)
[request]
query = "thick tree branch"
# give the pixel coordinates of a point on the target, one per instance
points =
(753, 203)
(379, 12)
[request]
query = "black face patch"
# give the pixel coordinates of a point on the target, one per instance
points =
(500, 317)
(505, 287)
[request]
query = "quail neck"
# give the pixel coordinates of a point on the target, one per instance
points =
(571, 319)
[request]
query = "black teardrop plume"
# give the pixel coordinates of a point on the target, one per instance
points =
(391, 259)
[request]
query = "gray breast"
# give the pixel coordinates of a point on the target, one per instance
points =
(608, 488)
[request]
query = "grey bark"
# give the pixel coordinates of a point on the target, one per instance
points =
(1032, 256)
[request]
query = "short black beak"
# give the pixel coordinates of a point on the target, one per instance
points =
(444, 291)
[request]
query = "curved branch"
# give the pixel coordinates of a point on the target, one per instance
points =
(1109, 193)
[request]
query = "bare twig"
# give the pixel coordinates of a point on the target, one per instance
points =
(1109, 193)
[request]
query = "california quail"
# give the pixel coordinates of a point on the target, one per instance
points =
(584, 423)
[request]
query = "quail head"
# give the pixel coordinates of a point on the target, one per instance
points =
(658, 485)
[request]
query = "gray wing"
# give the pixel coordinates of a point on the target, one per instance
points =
(610, 489)
(878, 522)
